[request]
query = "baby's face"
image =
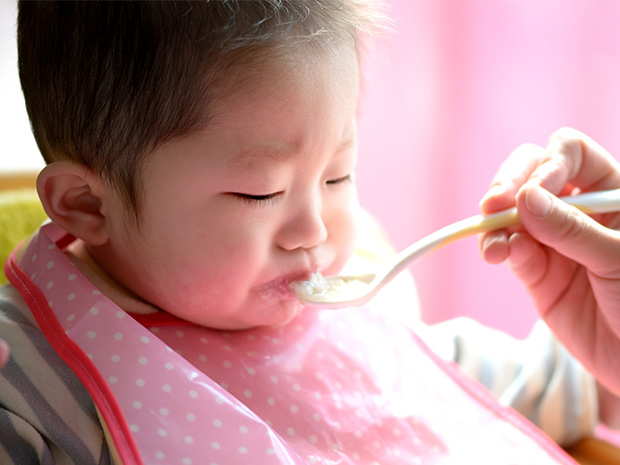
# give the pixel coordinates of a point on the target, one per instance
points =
(261, 197)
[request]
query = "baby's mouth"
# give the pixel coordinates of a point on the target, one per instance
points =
(280, 287)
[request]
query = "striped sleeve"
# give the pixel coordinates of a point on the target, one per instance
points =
(536, 376)
(46, 415)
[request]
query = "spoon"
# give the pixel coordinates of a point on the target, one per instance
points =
(351, 291)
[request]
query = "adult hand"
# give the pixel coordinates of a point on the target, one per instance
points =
(569, 261)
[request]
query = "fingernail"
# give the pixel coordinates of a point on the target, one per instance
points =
(538, 201)
(495, 191)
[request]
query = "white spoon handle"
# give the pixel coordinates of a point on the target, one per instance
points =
(591, 202)
(331, 295)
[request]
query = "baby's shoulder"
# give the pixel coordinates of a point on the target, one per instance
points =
(14, 312)
(32, 356)
(41, 400)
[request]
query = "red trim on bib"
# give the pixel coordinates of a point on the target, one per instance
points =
(77, 360)
(149, 320)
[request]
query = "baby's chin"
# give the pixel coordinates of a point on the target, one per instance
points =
(291, 309)
(257, 313)
(278, 312)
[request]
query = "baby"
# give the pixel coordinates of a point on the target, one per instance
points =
(201, 157)
(248, 180)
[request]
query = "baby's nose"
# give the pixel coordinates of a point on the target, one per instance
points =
(305, 231)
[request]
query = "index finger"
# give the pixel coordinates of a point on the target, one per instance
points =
(510, 176)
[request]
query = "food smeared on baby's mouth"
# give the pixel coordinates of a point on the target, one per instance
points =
(320, 289)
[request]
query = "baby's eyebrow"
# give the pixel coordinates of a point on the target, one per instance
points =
(273, 153)
(347, 143)
(262, 155)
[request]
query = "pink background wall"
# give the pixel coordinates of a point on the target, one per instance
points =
(448, 96)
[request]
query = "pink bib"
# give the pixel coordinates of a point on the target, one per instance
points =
(344, 386)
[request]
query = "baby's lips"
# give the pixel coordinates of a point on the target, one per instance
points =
(281, 286)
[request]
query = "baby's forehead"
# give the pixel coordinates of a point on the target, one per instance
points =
(253, 85)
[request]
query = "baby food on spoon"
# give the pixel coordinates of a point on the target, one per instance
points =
(320, 289)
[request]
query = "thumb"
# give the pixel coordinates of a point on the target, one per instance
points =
(566, 229)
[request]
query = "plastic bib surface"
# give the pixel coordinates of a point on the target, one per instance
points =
(348, 386)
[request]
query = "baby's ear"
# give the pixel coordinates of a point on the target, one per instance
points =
(72, 196)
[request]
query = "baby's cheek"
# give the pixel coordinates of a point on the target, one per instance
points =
(352, 226)
(345, 236)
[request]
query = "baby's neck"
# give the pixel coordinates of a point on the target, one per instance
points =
(125, 299)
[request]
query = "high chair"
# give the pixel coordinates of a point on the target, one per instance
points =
(21, 213)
